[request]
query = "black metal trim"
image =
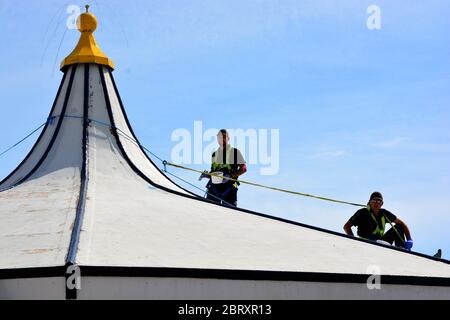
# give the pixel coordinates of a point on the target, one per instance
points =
(84, 178)
(40, 272)
(226, 274)
(55, 134)
(41, 135)
(116, 91)
(195, 197)
(71, 255)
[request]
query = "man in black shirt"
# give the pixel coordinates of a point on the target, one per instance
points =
(371, 222)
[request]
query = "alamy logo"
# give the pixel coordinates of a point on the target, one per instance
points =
(374, 19)
(74, 11)
(374, 280)
(74, 277)
(258, 146)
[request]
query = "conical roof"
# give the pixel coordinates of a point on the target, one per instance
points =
(87, 194)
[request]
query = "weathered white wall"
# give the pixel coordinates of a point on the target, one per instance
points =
(184, 288)
(33, 288)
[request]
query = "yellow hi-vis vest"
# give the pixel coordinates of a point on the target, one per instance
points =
(378, 230)
(227, 166)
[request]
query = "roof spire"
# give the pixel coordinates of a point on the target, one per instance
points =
(87, 50)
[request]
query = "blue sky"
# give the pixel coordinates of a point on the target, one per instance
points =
(358, 110)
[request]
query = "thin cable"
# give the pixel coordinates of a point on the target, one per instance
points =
(147, 150)
(164, 162)
(59, 48)
(116, 20)
(192, 185)
(122, 133)
(235, 180)
(22, 140)
(266, 187)
(392, 226)
(58, 12)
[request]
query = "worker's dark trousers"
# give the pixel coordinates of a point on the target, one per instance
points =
(393, 238)
(222, 193)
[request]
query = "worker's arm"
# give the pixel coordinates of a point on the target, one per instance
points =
(405, 228)
(241, 171)
(348, 228)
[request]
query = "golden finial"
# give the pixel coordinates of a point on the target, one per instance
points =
(87, 50)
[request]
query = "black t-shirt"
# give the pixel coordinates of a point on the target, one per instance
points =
(365, 223)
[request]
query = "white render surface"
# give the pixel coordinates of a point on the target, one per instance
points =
(36, 216)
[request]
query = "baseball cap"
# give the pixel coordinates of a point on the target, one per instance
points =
(376, 196)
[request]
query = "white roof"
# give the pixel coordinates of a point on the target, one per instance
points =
(89, 195)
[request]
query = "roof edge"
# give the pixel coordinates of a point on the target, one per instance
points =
(225, 274)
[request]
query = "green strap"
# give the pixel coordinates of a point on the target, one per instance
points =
(215, 163)
(378, 230)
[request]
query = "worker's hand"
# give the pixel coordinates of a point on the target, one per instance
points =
(408, 244)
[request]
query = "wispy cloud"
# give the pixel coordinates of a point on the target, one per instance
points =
(330, 154)
(391, 143)
(442, 147)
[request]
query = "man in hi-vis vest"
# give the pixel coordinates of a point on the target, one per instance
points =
(372, 220)
(228, 162)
